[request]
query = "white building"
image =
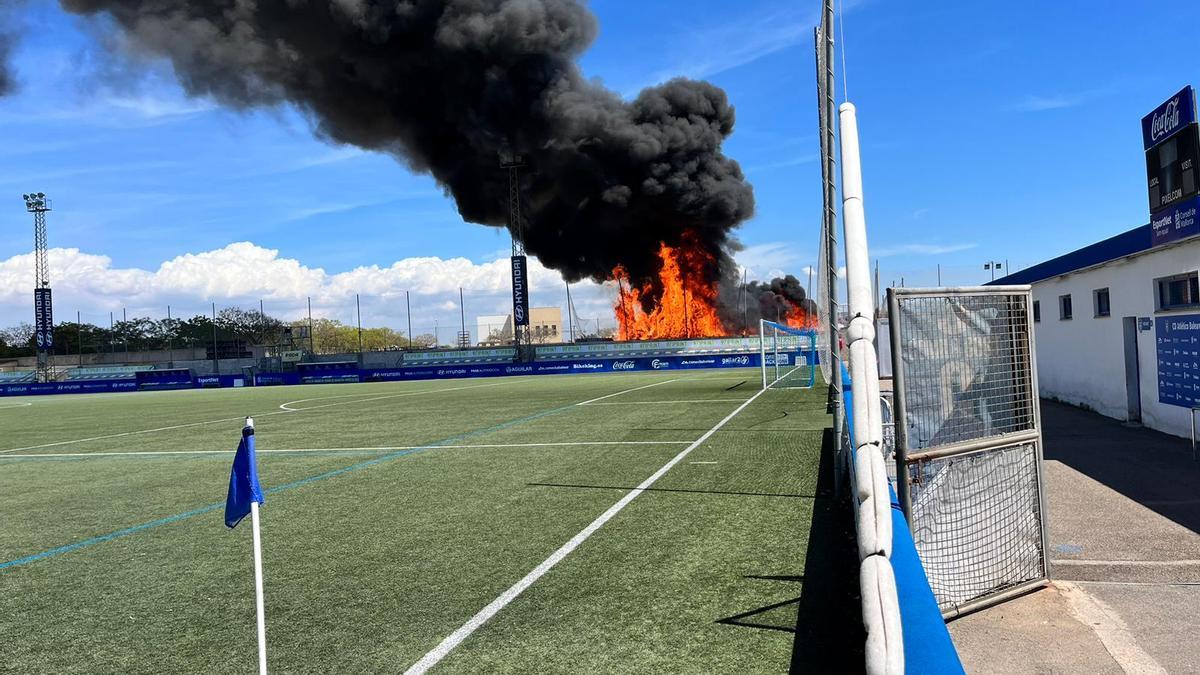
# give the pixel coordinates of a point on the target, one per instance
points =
(1117, 328)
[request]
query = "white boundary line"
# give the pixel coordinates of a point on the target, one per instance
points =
(1110, 628)
(286, 408)
(16, 405)
(706, 400)
(647, 386)
(447, 645)
(389, 448)
(240, 417)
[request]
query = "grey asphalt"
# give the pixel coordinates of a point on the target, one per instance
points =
(1124, 517)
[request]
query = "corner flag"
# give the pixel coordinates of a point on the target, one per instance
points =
(243, 481)
(245, 494)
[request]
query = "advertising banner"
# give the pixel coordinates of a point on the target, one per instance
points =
(43, 317)
(1177, 348)
(520, 291)
(1173, 115)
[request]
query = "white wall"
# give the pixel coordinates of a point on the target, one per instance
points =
(1082, 361)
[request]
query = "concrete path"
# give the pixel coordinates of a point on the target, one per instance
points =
(1124, 514)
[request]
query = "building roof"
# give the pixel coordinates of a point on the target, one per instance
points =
(1127, 243)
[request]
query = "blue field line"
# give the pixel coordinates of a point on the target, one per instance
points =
(54, 552)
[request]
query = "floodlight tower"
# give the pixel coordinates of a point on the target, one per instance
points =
(38, 204)
(520, 270)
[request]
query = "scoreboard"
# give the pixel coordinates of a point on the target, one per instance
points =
(1171, 138)
(1171, 167)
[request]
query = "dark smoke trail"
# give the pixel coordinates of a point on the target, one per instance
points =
(742, 307)
(7, 81)
(448, 86)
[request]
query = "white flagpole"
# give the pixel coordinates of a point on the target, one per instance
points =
(258, 580)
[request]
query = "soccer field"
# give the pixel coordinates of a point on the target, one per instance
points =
(396, 512)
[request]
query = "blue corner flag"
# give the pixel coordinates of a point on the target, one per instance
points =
(243, 481)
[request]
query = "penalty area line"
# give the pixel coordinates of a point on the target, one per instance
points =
(626, 391)
(284, 451)
(435, 655)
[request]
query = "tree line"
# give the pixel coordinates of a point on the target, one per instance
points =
(232, 323)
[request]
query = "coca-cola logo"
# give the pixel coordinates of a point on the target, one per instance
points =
(623, 365)
(1163, 124)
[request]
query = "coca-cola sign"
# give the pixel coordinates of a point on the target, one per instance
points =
(1174, 114)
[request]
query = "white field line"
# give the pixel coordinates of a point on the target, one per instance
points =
(454, 639)
(647, 386)
(224, 419)
(1110, 628)
(285, 408)
(15, 405)
(1125, 563)
(389, 448)
(705, 400)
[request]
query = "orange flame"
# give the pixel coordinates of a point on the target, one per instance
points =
(798, 318)
(686, 307)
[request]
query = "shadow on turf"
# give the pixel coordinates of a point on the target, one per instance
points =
(829, 630)
(653, 489)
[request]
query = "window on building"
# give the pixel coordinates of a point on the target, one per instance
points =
(1181, 291)
(1064, 307)
(1100, 302)
(1037, 311)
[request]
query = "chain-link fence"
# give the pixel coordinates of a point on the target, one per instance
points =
(967, 440)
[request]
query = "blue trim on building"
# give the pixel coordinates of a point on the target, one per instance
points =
(1127, 243)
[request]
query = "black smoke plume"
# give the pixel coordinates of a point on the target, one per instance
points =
(7, 81)
(450, 87)
(742, 306)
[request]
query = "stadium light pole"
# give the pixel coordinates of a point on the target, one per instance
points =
(170, 339)
(570, 311)
(79, 336)
(43, 311)
(462, 318)
(358, 314)
(408, 316)
(312, 345)
(216, 363)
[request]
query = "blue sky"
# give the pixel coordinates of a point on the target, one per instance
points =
(989, 130)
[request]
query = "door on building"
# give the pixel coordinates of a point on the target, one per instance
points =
(1133, 387)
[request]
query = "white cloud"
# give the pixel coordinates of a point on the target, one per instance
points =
(769, 260)
(242, 273)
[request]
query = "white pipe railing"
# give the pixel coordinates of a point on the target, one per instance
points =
(868, 474)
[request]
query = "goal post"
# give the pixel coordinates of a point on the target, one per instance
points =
(787, 356)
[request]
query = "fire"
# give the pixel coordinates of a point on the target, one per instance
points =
(798, 318)
(686, 307)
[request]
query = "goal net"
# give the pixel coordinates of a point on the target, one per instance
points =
(787, 356)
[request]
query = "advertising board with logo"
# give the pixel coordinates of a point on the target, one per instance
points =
(520, 291)
(1171, 138)
(1177, 349)
(43, 319)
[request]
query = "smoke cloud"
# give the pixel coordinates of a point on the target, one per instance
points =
(741, 307)
(449, 87)
(7, 79)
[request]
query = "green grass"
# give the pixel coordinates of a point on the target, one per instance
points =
(373, 554)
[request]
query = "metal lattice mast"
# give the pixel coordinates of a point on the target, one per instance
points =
(43, 313)
(516, 226)
(828, 265)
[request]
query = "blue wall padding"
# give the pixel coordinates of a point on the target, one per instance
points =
(927, 644)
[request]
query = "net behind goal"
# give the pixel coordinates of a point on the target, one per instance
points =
(787, 356)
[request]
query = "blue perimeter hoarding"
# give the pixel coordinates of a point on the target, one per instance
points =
(642, 363)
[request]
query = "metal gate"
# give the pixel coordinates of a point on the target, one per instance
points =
(968, 446)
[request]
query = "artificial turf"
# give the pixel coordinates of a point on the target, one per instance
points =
(385, 538)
